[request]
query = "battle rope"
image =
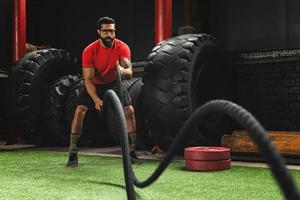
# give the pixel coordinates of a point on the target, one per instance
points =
(243, 117)
(119, 86)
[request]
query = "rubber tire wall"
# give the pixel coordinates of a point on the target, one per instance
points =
(29, 79)
(55, 111)
(182, 73)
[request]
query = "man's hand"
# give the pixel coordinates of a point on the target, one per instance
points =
(98, 104)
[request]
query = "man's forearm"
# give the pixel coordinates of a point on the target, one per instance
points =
(91, 89)
(126, 63)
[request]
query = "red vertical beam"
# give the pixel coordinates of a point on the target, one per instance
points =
(163, 20)
(19, 29)
(187, 12)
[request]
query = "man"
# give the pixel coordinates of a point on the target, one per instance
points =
(100, 61)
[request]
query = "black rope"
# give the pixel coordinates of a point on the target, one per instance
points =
(119, 86)
(111, 98)
(243, 117)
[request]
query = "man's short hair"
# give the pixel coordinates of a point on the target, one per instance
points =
(105, 20)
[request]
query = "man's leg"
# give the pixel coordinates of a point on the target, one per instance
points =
(131, 128)
(76, 127)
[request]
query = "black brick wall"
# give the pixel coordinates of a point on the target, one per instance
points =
(271, 92)
(4, 122)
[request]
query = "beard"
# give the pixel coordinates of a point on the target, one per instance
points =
(107, 41)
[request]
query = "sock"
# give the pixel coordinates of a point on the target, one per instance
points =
(132, 137)
(73, 143)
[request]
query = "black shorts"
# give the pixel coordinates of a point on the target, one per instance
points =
(85, 99)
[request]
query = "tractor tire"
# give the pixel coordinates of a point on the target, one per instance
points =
(55, 112)
(181, 74)
(29, 80)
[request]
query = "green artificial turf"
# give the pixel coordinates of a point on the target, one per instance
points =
(30, 174)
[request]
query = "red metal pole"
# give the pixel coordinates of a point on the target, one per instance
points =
(163, 20)
(19, 29)
(187, 12)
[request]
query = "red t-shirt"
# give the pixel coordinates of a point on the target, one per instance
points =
(104, 59)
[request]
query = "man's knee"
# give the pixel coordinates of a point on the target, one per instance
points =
(129, 110)
(81, 111)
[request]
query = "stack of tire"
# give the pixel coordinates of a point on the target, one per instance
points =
(43, 90)
(29, 80)
(181, 73)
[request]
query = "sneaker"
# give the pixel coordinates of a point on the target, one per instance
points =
(73, 160)
(156, 150)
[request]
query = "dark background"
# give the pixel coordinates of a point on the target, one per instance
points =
(71, 25)
(238, 25)
(256, 24)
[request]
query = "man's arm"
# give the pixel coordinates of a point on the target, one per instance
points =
(88, 75)
(126, 68)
